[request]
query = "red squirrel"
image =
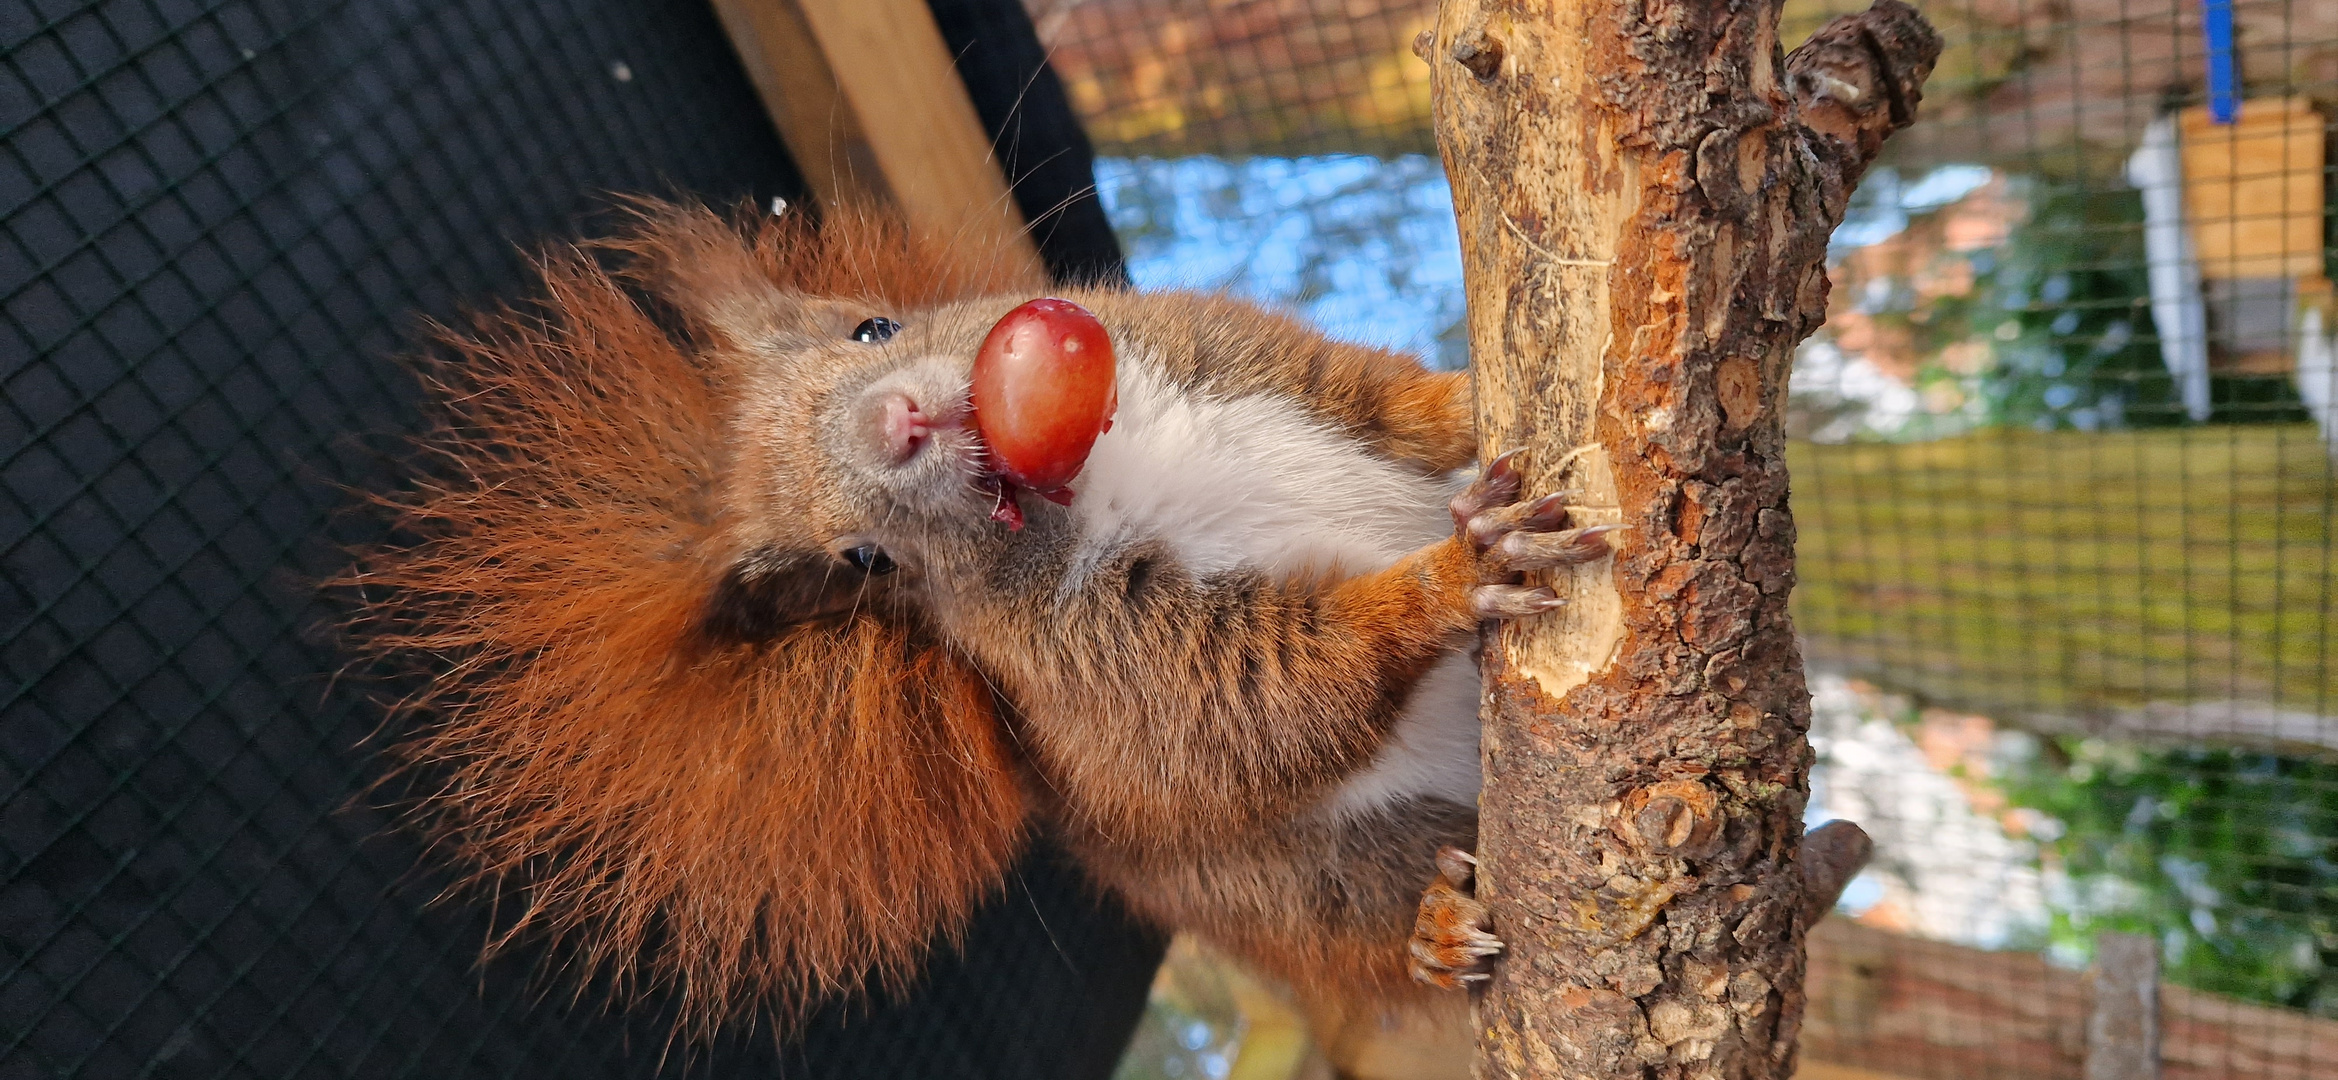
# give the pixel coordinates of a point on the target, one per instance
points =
(731, 669)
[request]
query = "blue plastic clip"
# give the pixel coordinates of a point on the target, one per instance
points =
(2224, 91)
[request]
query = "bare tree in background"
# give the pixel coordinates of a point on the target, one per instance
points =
(1645, 189)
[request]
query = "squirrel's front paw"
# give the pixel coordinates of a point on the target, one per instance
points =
(1452, 945)
(1510, 536)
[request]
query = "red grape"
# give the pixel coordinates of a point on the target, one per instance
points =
(1043, 391)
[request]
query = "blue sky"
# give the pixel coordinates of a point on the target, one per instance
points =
(1365, 247)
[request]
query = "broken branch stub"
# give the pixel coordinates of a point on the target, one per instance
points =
(1644, 192)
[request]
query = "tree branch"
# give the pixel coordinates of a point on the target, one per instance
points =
(1644, 206)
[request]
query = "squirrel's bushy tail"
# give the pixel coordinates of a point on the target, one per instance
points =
(750, 825)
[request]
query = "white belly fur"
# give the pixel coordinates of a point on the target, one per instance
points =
(1255, 483)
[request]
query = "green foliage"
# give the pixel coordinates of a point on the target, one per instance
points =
(2065, 304)
(2055, 331)
(1194, 1026)
(2229, 857)
(1180, 1040)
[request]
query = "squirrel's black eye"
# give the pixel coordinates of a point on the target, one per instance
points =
(875, 330)
(869, 559)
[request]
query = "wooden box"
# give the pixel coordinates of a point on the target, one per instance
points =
(2253, 190)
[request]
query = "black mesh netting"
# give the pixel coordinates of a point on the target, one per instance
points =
(218, 224)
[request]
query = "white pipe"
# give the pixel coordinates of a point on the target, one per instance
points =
(2157, 169)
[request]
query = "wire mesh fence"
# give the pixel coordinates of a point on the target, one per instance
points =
(2062, 477)
(220, 221)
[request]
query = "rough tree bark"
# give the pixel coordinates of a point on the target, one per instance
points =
(1645, 190)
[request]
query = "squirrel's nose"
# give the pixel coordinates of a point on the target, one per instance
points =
(903, 424)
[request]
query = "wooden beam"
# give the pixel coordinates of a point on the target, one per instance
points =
(1928, 1010)
(2122, 1033)
(867, 99)
(1820, 1070)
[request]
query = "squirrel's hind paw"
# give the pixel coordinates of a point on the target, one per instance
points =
(1452, 945)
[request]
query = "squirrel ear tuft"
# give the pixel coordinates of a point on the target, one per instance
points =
(769, 591)
(710, 271)
(752, 276)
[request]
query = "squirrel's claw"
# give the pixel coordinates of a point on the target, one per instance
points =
(1490, 525)
(1496, 487)
(1452, 944)
(1525, 550)
(1512, 601)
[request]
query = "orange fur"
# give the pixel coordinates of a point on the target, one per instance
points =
(773, 821)
(712, 818)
